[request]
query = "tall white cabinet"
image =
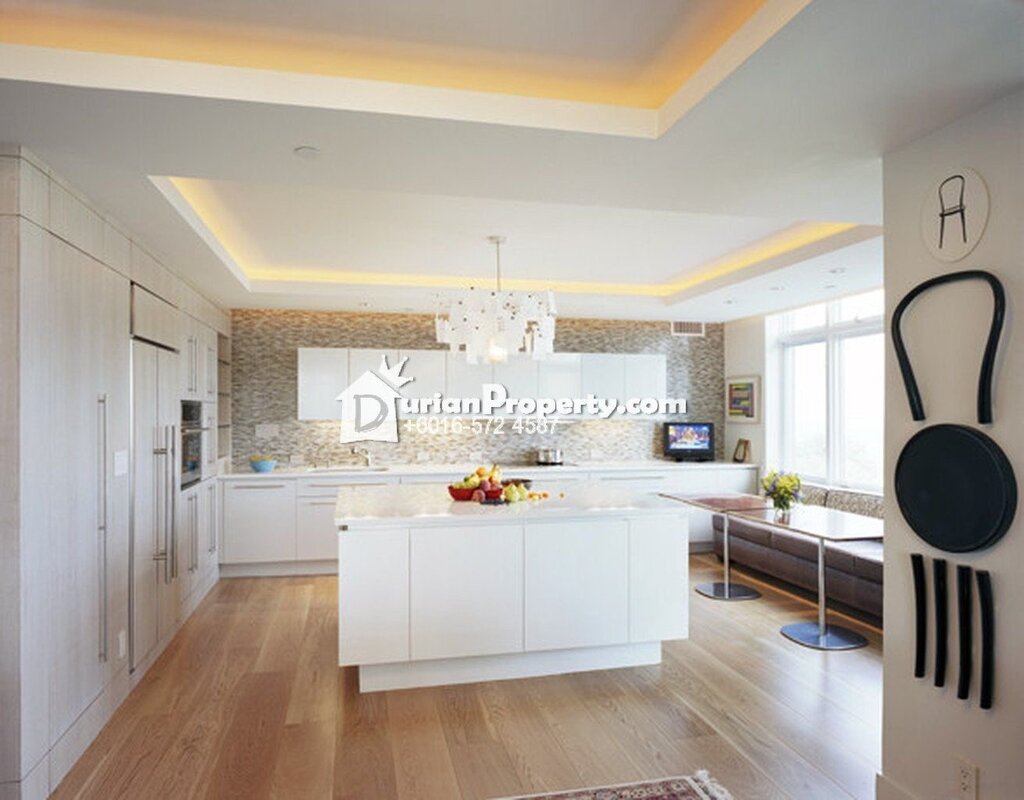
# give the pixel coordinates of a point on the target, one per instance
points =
(74, 479)
(66, 555)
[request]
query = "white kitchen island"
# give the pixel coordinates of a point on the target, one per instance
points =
(435, 592)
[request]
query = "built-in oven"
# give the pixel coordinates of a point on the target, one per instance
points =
(192, 431)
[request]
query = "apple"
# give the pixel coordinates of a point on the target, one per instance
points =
(477, 496)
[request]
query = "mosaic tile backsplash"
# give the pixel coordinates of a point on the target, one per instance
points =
(264, 375)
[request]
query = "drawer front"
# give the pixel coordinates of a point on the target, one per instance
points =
(330, 485)
(316, 535)
(259, 522)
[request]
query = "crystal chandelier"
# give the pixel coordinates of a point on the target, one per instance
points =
(490, 325)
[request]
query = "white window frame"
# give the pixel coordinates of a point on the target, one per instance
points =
(832, 334)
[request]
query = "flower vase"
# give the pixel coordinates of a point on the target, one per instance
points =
(782, 514)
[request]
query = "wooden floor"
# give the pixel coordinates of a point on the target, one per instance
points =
(248, 702)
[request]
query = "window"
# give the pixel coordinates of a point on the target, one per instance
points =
(832, 365)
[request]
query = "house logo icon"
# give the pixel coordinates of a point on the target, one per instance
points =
(369, 406)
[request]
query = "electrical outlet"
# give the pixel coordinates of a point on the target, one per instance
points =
(966, 780)
(122, 644)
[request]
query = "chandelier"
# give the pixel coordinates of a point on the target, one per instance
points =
(489, 325)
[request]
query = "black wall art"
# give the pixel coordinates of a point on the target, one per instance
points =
(954, 214)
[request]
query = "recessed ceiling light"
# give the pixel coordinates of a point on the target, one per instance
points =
(729, 302)
(837, 271)
(306, 151)
(830, 286)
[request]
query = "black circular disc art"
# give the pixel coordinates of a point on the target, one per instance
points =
(956, 488)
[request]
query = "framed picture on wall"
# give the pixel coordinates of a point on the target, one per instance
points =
(743, 399)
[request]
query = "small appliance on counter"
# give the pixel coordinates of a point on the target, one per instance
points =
(689, 441)
(550, 457)
(191, 442)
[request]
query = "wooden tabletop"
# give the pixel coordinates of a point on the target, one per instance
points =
(820, 522)
(722, 502)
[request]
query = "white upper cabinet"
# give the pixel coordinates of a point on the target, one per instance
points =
(427, 369)
(520, 375)
(603, 375)
(368, 360)
(465, 379)
(323, 375)
(559, 376)
(645, 375)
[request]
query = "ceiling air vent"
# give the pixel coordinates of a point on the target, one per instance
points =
(687, 328)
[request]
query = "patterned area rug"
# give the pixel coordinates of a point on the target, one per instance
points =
(699, 786)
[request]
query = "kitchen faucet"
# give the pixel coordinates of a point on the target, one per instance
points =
(362, 451)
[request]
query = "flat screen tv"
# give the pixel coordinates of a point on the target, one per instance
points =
(689, 441)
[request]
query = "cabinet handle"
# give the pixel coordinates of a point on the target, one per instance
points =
(320, 503)
(172, 503)
(160, 506)
(213, 518)
(343, 485)
(259, 486)
(101, 508)
(195, 533)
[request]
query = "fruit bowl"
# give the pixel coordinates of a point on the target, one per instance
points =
(461, 495)
(494, 494)
(527, 482)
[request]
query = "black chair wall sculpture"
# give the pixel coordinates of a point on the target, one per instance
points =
(957, 490)
(951, 204)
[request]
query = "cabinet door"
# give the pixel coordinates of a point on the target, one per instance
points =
(636, 482)
(658, 579)
(259, 522)
(362, 360)
(210, 364)
(576, 584)
(603, 375)
(520, 375)
(427, 368)
(373, 596)
(208, 527)
(316, 534)
(645, 375)
(467, 591)
(187, 519)
(559, 376)
(463, 379)
(323, 375)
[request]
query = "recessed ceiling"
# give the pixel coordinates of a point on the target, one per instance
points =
(791, 137)
(598, 51)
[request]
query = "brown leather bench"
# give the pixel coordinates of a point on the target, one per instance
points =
(853, 570)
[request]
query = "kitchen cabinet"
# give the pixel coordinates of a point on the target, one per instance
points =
(645, 375)
(375, 567)
(427, 367)
(196, 350)
(588, 605)
(316, 534)
(210, 444)
(473, 574)
(188, 537)
(559, 376)
(75, 417)
(210, 368)
(323, 375)
(520, 375)
(259, 521)
(209, 528)
(603, 375)
(465, 379)
(658, 581)
(362, 360)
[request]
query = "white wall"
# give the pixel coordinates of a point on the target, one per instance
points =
(925, 728)
(745, 355)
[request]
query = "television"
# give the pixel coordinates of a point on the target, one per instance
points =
(689, 441)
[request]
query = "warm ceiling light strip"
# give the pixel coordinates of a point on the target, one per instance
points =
(315, 53)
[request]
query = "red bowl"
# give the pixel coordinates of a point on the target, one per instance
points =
(494, 494)
(460, 494)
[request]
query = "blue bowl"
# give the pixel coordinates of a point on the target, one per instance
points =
(263, 466)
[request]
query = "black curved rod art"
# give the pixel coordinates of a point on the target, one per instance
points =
(991, 346)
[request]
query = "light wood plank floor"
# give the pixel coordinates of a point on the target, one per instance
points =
(247, 702)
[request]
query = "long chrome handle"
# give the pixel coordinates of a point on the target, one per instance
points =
(258, 486)
(101, 508)
(213, 517)
(172, 527)
(160, 504)
(195, 532)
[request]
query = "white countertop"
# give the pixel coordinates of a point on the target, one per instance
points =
(450, 472)
(428, 505)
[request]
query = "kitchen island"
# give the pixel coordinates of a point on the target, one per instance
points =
(436, 592)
